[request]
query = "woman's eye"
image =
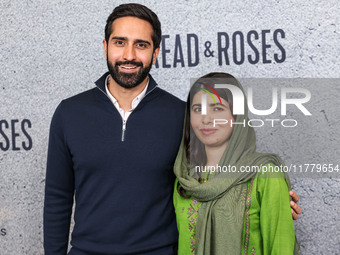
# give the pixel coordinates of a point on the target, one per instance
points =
(196, 109)
(218, 109)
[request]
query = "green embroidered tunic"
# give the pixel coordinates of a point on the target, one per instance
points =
(272, 233)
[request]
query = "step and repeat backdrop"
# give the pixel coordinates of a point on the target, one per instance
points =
(285, 53)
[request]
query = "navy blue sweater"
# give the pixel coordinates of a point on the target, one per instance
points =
(122, 189)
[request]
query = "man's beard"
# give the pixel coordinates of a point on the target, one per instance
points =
(128, 80)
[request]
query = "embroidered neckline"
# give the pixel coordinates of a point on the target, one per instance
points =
(192, 217)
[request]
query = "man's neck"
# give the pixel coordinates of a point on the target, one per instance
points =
(123, 95)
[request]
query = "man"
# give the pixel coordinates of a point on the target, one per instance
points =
(113, 149)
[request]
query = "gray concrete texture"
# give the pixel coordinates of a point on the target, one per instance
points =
(51, 50)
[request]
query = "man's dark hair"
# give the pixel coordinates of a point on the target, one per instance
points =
(139, 11)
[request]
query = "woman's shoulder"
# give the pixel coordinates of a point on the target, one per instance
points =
(271, 181)
(270, 170)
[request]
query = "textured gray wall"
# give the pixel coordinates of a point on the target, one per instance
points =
(53, 49)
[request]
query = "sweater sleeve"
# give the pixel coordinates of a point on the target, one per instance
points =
(276, 221)
(59, 189)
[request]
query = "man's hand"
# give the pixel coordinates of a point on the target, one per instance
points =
(296, 210)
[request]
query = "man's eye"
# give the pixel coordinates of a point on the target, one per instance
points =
(119, 43)
(141, 45)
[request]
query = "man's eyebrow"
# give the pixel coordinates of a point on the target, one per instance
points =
(119, 38)
(125, 39)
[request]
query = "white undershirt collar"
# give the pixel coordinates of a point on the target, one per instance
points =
(134, 103)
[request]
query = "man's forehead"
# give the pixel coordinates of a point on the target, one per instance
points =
(132, 28)
(130, 21)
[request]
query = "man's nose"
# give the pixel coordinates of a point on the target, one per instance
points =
(129, 53)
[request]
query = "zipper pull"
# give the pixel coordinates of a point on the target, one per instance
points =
(123, 130)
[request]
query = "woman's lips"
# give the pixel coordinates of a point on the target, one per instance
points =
(208, 131)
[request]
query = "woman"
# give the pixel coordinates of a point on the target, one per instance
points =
(226, 211)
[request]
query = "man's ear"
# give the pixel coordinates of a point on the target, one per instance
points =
(155, 54)
(105, 48)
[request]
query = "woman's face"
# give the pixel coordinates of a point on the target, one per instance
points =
(203, 125)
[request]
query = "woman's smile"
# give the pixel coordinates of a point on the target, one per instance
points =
(208, 131)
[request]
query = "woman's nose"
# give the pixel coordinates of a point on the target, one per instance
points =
(207, 119)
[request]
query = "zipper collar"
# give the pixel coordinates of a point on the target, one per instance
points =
(100, 83)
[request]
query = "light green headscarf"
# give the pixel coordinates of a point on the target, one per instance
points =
(220, 218)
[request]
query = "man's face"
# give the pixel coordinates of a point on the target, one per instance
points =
(129, 51)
